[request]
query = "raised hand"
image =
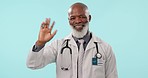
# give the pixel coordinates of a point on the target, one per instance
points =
(45, 34)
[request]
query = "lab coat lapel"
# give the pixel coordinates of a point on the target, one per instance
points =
(91, 44)
(71, 40)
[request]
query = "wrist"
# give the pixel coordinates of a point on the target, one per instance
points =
(40, 43)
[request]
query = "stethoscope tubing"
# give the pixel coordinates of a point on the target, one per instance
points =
(98, 51)
(62, 50)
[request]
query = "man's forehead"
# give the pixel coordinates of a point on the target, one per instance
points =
(76, 11)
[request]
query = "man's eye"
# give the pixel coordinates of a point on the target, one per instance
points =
(72, 18)
(82, 17)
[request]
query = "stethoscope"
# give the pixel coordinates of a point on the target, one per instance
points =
(62, 50)
(98, 55)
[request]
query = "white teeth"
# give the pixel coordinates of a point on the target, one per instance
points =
(79, 25)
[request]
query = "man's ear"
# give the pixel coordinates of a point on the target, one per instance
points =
(89, 18)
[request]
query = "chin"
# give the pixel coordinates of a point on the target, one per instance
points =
(80, 33)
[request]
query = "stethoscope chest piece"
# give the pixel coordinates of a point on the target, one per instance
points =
(99, 55)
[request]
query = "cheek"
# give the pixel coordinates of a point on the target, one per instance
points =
(85, 20)
(71, 22)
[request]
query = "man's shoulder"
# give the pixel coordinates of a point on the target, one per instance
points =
(100, 41)
(104, 45)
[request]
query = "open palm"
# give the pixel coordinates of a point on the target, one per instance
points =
(45, 34)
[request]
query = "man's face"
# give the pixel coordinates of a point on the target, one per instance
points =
(78, 17)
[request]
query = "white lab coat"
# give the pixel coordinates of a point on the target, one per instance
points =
(51, 53)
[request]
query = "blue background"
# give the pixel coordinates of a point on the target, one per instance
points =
(121, 23)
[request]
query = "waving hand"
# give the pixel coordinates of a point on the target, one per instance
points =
(45, 33)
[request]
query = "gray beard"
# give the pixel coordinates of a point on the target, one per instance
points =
(82, 33)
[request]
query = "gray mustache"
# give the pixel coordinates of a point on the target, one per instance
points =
(79, 25)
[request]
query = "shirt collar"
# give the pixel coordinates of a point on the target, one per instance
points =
(86, 38)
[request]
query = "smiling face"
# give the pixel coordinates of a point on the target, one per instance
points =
(78, 16)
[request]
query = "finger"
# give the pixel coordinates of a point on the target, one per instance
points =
(52, 35)
(47, 22)
(53, 23)
(42, 25)
(50, 28)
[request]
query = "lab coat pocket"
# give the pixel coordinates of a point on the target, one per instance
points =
(98, 71)
(66, 74)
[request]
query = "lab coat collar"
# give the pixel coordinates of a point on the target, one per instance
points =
(71, 40)
(89, 45)
(91, 42)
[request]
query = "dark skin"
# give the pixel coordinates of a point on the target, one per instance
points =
(78, 17)
(45, 34)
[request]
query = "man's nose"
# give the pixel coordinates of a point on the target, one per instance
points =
(78, 20)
